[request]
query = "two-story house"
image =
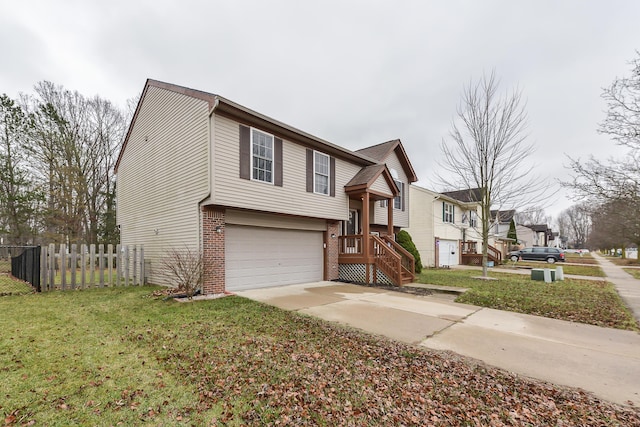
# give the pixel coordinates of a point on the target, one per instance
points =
(446, 227)
(265, 203)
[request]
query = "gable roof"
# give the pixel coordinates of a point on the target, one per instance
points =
(504, 216)
(243, 114)
(540, 228)
(467, 196)
(381, 152)
(368, 175)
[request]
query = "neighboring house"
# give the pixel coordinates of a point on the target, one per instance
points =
(543, 234)
(526, 236)
(501, 221)
(265, 203)
(446, 227)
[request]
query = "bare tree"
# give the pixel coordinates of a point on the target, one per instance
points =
(615, 181)
(75, 145)
(623, 101)
(487, 149)
(577, 224)
(532, 215)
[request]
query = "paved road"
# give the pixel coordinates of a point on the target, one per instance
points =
(603, 361)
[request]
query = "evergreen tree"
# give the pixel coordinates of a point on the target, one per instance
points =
(404, 239)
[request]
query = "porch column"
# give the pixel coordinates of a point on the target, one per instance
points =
(365, 225)
(390, 217)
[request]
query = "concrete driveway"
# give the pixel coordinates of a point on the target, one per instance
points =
(603, 361)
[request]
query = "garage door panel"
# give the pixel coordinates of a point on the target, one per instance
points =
(448, 252)
(261, 257)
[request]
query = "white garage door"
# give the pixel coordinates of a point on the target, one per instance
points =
(448, 252)
(259, 257)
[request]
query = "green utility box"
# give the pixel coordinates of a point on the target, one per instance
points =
(538, 274)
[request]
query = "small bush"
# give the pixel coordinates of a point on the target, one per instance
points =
(184, 269)
(404, 239)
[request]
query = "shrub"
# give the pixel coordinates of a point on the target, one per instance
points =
(184, 269)
(404, 239)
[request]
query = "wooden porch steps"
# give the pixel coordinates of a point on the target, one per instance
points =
(406, 278)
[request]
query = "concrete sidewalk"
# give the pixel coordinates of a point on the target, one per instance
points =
(603, 361)
(627, 286)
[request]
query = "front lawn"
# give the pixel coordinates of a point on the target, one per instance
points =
(635, 272)
(584, 301)
(579, 270)
(119, 356)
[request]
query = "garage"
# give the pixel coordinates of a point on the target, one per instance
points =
(448, 253)
(258, 257)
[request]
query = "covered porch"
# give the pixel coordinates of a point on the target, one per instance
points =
(368, 251)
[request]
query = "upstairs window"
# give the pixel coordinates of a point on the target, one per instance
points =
(398, 202)
(448, 212)
(473, 218)
(262, 156)
(321, 173)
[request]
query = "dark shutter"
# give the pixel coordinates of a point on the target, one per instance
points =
(245, 152)
(332, 174)
(277, 162)
(402, 194)
(453, 214)
(309, 171)
(443, 218)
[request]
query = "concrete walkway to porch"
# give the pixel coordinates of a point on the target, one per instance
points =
(603, 361)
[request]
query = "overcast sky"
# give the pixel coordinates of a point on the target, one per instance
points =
(355, 73)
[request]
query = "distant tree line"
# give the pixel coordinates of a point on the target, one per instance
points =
(57, 153)
(611, 188)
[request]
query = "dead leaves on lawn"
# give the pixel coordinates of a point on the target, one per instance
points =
(311, 373)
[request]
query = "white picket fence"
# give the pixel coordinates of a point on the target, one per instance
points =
(81, 266)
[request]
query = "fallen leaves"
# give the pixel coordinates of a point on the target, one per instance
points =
(310, 372)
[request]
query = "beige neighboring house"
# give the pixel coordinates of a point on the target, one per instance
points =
(446, 227)
(266, 204)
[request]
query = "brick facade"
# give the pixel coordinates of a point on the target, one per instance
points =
(213, 232)
(333, 250)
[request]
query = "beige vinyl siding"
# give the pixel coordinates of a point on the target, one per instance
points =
(400, 218)
(421, 226)
(292, 198)
(447, 230)
(381, 186)
(163, 174)
(259, 219)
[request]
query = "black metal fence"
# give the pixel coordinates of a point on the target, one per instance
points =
(19, 269)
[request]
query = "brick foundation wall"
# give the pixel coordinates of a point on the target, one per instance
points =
(213, 250)
(333, 250)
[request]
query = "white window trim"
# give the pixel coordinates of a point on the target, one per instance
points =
(448, 213)
(328, 173)
(272, 157)
(473, 218)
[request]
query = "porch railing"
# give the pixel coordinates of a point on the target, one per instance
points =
(471, 248)
(351, 245)
(408, 261)
(387, 259)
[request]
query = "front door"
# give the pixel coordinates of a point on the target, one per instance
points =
(351, 228)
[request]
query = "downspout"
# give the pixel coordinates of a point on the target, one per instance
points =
(210, 138)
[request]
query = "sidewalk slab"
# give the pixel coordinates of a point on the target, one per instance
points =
(603, 361)
(611, 374)
(628, 287)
